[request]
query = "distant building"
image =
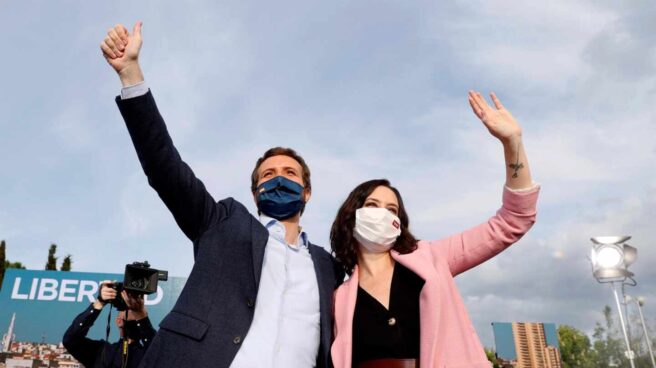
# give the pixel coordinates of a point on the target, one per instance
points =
(553, 357)
(9, 337)
(527, 345)
(19, 363)
(69, 364)
(37, 355)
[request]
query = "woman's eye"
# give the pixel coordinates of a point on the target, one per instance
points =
(393, 211)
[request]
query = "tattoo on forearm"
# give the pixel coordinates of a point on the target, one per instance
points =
(517, 165)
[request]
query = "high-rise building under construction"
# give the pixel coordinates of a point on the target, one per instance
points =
(531, 346)
(527, 345)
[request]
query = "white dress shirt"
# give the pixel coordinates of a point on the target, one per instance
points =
(285, 328)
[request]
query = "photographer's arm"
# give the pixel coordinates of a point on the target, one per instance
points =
(75, 339)
(185, 195)
(146, 331)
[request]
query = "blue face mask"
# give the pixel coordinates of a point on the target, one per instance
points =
(280, 198)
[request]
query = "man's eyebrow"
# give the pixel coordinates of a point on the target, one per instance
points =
(290, 167)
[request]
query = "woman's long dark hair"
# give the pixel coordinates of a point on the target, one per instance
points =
(342, 242)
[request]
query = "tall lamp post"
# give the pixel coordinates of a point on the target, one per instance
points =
(610, 259)
(640, 301)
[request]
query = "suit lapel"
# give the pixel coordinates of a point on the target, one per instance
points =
(260, 237)
(325, 300)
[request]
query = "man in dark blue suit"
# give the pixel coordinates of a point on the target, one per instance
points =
(259, 294)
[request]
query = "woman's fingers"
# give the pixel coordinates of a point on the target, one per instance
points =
(478, 105)
(475, 107)
(496, 101)
(482, 102)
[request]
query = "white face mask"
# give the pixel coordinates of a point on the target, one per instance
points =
(376, 229)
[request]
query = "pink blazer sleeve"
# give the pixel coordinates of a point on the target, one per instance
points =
(480, 243)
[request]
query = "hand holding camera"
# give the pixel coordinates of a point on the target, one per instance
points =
(107, 294)
(139, 280)
(135, 304)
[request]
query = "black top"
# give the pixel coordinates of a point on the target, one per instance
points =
(379, 333)
(100, 353)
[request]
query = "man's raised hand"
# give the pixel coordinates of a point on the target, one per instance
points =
(121, 50)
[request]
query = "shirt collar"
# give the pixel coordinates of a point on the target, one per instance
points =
(270, 222)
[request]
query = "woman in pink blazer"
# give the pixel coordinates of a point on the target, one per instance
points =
(400, 306)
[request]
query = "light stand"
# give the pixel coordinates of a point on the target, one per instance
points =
(640, 302)
(610, 259)
(629, 353)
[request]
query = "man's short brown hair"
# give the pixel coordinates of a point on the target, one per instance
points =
(281, 151)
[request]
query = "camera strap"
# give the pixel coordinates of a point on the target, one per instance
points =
(109, 319)
(124, 350)
(124, 353)
(109, 322)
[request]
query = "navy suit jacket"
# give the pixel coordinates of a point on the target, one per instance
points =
(215, 309)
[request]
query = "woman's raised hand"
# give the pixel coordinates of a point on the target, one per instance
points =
(497, 119)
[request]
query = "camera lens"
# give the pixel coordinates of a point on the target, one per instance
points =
(139, 283)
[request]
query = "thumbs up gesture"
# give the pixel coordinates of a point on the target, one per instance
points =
(121, 50)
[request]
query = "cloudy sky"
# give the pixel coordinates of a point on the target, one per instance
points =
(362, 89)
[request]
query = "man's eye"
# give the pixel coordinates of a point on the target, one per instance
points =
(290, 172)
(266, 174)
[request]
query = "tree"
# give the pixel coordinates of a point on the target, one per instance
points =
(17, 265)
(492, 357)
(5, 264)
(3, 259)
(608, 343)
(52, 260)
(575, 348)
(66, 263)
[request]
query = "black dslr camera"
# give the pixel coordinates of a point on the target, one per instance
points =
(139, 279)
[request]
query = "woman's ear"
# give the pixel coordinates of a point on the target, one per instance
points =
(307, 193)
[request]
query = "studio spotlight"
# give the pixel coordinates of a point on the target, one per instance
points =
(611, 258)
